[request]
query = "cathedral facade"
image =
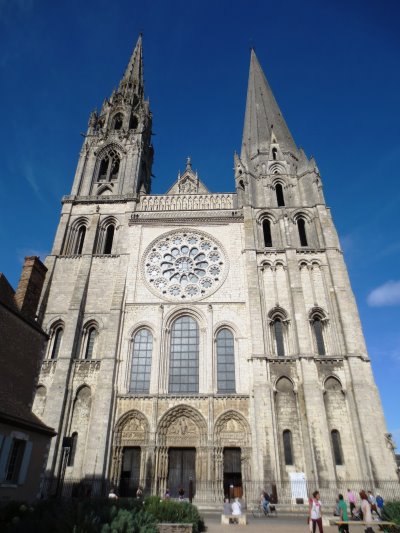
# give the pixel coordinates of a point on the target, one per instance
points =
(203, 339)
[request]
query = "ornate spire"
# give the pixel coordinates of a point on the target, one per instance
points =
(263, 116)
(133, 77)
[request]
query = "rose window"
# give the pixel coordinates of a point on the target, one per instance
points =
(184, 265)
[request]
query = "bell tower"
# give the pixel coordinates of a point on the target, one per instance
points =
(117, 155)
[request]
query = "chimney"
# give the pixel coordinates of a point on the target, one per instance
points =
(30, 286)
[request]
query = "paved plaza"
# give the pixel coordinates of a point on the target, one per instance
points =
(284, 524)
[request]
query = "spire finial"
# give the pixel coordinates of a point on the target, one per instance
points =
(134, 71)
(189, 163)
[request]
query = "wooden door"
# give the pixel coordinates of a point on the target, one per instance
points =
(181, 469)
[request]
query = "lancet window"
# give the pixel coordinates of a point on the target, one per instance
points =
(109, 166)
(225, 361)
(184, 356)
(141, 361)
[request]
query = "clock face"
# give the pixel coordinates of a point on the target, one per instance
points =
(184, 265)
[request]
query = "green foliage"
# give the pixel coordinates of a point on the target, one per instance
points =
(174, 512)
(124, 515)
(391, 512)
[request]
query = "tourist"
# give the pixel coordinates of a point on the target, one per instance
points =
(236, 507)
(181, 493)
(265, 502)
(112, 495)
(372, 502)
(342, 508)
(366, 511)
(167, 495)
(315, 513)
(227, 507)
(379, 504)
(139, 493)
(351, 497)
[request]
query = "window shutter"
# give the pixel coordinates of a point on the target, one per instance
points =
(25, 463)
(5, 452)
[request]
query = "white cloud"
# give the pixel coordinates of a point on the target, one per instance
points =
(386, 294)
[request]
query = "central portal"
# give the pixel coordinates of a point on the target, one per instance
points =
(181, 469)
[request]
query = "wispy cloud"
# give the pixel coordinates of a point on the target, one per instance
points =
(385, 295)
(30, 177)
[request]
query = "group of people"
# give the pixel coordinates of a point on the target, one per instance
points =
(369, 504)
(234, 508)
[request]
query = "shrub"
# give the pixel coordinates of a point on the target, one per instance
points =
(391, 512)
(174, 512)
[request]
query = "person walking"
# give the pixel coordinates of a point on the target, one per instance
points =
(379, 504)
(366, 511)
(265, 502)
(351, 497)
(342, 508)
(315, 512)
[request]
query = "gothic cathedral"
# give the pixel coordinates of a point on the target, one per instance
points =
(203, 340)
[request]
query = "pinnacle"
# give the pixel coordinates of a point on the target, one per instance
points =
(134, 70)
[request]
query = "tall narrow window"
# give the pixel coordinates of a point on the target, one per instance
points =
(337, 447)
(118, 120)
(72, 450)
(141, 361)
(318, 334)
(274, 152)
(15, 459)
(184, 358)
(267, 233)
(91, 337)
(225, 361)
(80, 239)
(103, 169)
(287, 447)
(301, 225)
(279, 340)
(109, 166)
(108, 242)
(114, 169)
(56, 342)
(279, 195)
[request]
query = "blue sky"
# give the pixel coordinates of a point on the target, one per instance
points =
(334, 69)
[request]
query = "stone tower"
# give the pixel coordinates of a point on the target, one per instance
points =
(200, 336)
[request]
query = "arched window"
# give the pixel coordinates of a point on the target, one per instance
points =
(56, 342)
(118, 121)
(318, 335)
(141, 361)
(301, 226)
(337, 447)
(279, 195)
(109, 166)
(91, 337)
(274, 152)
(184, 356)
(225, 361)
(72, 449)
(108, 241)
(133, 123)
(287, 447)
(267, 233)
(278, 337)
(79, 241)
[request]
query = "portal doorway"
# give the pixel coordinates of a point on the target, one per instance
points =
(181, 470)
(232, 473)
(130, 472)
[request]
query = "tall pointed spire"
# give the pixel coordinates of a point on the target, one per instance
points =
(263, 116)
(133, 77)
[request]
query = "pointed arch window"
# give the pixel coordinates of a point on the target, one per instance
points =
(118, 121)
(225, 361)
(287, 447)
(280, 199)
(301, 226)
(274, 153)
(184, 356)
(56, 342)
(337, 447)
(109, 166)
(267, 233)
(79, 241)
(318, 335)
(141, 362)
(109, 237)
(279, 339)
(91, 338)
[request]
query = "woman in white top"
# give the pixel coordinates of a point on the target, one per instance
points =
(315, 513)
(366, 511)
(236, 507)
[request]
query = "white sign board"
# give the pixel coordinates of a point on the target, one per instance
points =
(298, 485)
